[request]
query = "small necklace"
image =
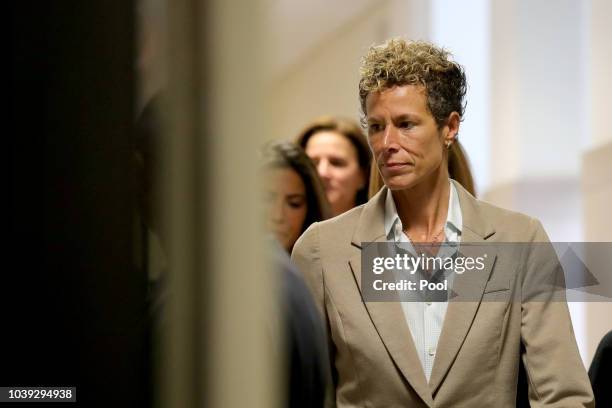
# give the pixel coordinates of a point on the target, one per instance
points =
(430, 248)
(434, 239)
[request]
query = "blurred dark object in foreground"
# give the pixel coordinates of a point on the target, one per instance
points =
(75, 309)
(305, 339)
(600, 372)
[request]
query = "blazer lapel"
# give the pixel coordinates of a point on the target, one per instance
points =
(388, 317)
(468, 288)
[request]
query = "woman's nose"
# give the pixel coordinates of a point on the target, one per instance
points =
(323, 168)
(277, 215)
(390, 138)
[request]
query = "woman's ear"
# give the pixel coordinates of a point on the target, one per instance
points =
(452, 124)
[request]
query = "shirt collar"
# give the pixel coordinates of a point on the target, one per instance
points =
(454, 219)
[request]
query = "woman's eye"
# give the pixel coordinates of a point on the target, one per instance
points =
(295, 204)
(337, 162)
(374, 128)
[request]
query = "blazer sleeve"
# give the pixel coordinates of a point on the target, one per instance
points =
(555, 372)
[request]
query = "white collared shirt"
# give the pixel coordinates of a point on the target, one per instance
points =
(425, 319)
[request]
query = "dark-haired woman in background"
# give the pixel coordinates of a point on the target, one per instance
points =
(340, 151)
(293, 191)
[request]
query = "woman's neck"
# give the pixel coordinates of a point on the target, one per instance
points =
(423, 208)
(341, 207)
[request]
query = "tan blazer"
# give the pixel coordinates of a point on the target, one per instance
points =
(372, 355)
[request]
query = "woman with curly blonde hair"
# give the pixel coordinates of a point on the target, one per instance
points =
(429, 351)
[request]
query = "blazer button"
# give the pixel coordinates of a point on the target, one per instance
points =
(432, 352)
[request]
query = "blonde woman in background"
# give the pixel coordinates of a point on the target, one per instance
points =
(340, 152)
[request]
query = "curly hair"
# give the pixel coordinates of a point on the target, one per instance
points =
(399, 62)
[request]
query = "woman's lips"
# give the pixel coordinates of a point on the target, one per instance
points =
(396, 166)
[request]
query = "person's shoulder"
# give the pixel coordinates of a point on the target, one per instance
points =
(500, 214)
(512, 224)
(336, 229)
(339, 223)
(493, 216)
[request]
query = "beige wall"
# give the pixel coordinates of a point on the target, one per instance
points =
(597, 161)
(544, 118)
(599, 74)
(538, 93)
(597, 196)
(325, 80)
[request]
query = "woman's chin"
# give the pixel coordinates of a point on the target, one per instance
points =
(401, 182)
